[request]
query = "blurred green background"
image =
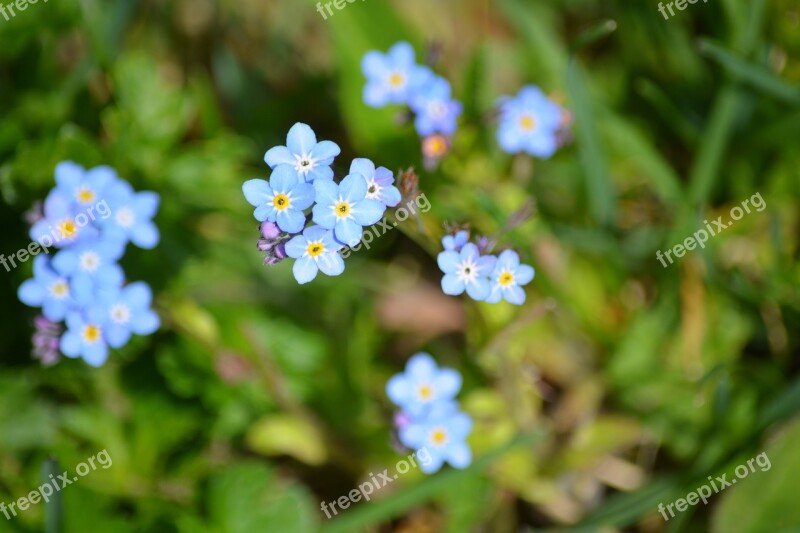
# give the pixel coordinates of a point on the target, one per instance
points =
(619, 385)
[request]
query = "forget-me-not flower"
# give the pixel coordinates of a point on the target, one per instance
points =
(90, 266)
(125, 311)
(314, 250)
(84, 338)
(422, 385)
(345, 208)
(466, 270)
(48, 290)
(393, 77)
(442, 432)
(62, 225)
(83, 187)
(436, 111)
(131, 215)
(529, 122)
(508, 278)
(281, 200)
(309, 160)
(379, 182)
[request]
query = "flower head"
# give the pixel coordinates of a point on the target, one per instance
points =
(379, 182)
(436, 111)
(308, 159)
(442, 433)
(422, 385)
(48, 290)
(466, 270)
(84, 338)
(91, 266)
(455, 242)
(83, 187)
(63, 224)
(394, 77)
(345, 208)
(130, 215)
(508, 278)
(314, 250)
(125, 311)
(280, 200)
(529, 123)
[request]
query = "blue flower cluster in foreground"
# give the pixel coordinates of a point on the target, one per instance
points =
(308, 216)
(483, 277)
(531, 123)
(430, 417)
(90, 216)
(395, 78)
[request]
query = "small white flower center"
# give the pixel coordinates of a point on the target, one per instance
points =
(373, 190)
(120, 314)
(59, 290)
(437, 109)
(304, 164)
(89, 261)
(125, 217)
(467, 271)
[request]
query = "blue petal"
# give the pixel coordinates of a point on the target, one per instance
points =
(279, 155)
(282, 180)
(524, 274)
(322, 214)
(479, 290)
(402, 54)
(495, 295)
(296, 246)
(448, 261)
(117, 336)
(291, 220)
(347, 231)
(413, 436)
(327, 192)
(460, 425)
(508, 259)
(96, 354)
(70, 344)
(363, 166)
(301, 139)
(390, 196)
(376, 95)
(317, 233)
(486, 264)
(325, 151)
(368, 212)
(470, 251)
(69, 174)
(83, 288)
(452, 285)
(421, 367)
(55, 310)
(257, 192)
(145, 204)
(110, 276)
(331, 264)
(265, 212)
(320, 173)
(304, 270)
(373, 65)
(145, 235)
(448, 383)
(145, 323)
(353, 187)
(398, 389)
(459, 455)
(31, 293)
(303, 195)
(515, 295)
(433, 465)
(138, 295)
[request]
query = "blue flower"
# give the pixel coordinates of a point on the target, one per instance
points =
(83, 187)
(422, 385)
(529, 123)
(508, 278)
(62, 225)
(314, 250)
(130, 215)
(125, 311)
(48, 290)
(394, 77)
(442, 433)
(308, 159)
(91, 266)
(282, 200)
(455, 242)
(345, 209)
(466, 270)
(436, 111)
(84, 338)
(379, 182)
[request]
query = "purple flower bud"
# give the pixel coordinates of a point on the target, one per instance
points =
(280, 251)
(269, 230)
(401, 419)
(264, 245)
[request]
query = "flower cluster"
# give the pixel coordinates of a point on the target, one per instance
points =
(305, 214)
(484, 277)
(395, 78)
(532, 123)
(90, 216)
(430, 417)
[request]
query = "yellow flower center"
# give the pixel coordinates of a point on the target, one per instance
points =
(439, 436)
(68, 229)
(397, 79)
(85, 195)
(527, 122)
(506, 278)
(425, 392)
(434, 146)
(91, 333)
(315, 248)
(59, 289)
(281, 201)
(342, 209)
